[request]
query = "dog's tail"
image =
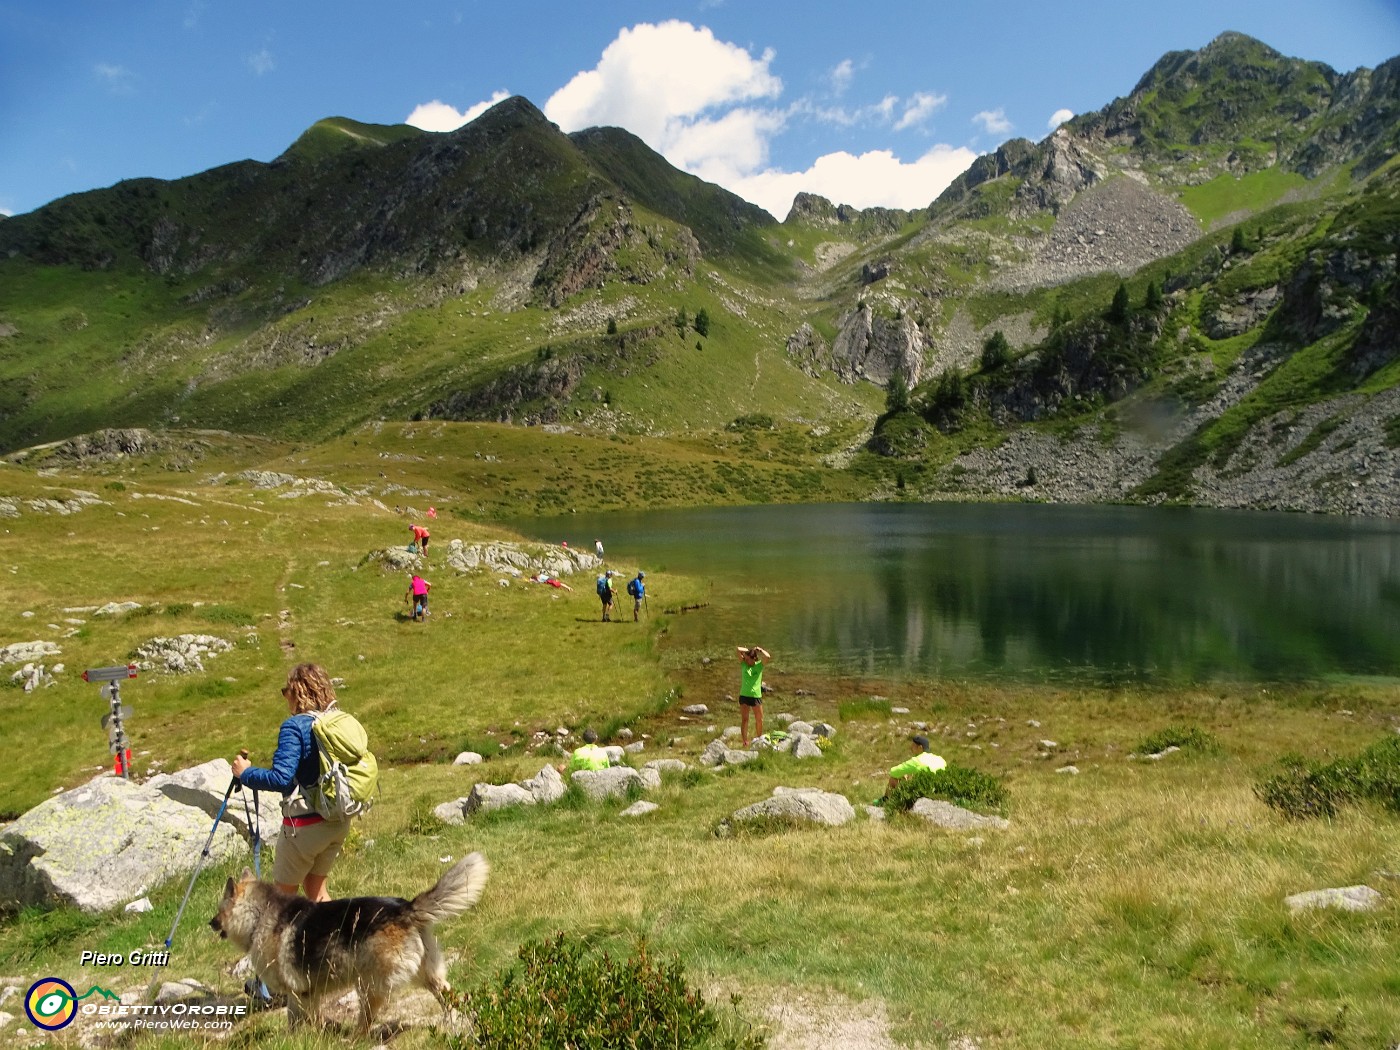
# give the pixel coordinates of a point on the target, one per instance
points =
(454, 893)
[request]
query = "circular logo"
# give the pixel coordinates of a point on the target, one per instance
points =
(51, 1004)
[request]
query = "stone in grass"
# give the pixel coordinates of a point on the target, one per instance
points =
(955, 818)
(1348, 898)
(804, 747)
(640, 808)
(805, 728)
(695, 709)
(805, 804)
(467, 758)
(599, 784)
(453, 812)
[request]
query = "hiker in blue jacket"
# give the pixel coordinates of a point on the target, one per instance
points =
(638, 590)
(308, 844)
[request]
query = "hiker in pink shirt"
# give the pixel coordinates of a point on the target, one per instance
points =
(417, 596)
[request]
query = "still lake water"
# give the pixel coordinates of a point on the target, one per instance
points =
(1026, 592)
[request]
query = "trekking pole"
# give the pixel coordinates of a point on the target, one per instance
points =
(199, 866)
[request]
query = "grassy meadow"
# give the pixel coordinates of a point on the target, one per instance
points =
(1135, 903)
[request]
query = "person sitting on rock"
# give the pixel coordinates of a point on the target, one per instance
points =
(587, 756)
(922, 759)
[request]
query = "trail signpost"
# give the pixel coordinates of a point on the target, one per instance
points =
(111, 679)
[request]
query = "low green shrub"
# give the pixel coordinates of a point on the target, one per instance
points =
(560, 994)
(1300, 789)
(421, 818)
(1186, 737)
(227, 614)
(960, 785)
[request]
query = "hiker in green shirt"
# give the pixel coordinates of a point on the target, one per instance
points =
(922, 759)
(587, 756)
(751, 659)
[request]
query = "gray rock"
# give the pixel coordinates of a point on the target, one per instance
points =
(784, 718)
(203, 786)
(955, 818)
(1049, 745)
(116, 608)
(1348, 898)
(453, 812)
(798, 726)
(545, 786)
(27, 652)
(1072, 770)
(667, 765)
(615, 754)
(599, 784)
(714, 753)
(695, 709)
(804, 747)
(738, 758)
(824, 729)
(640, 808)
(730, 732)
(651, 778)
(103, 844)
(467, 758)
(899, 710)
(635, 747)
(875, 812)
(486, 797)
(808, 804)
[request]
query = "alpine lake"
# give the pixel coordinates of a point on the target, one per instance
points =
(1019, 592)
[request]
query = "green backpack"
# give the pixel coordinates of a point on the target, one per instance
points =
(349, 778)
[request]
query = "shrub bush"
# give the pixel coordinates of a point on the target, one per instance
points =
(960, 785)
(1188, 738)
(1301, 789)
(559, 994)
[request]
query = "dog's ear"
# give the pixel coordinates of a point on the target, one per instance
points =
(247, 876)
(229, 889)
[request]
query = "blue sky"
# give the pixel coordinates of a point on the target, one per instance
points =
(868, 104)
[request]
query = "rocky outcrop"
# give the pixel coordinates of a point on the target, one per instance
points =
(26, 652)
(875, 348)
(615, 782)
(103, 844)
(513, 559)
(183, 654)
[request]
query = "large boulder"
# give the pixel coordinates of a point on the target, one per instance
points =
(803, 745)
(103, 844)
(453, 812)
(599, 784)
(806, 804)
(667, 765)
(203, 787)
(545, 786)
(955, 818)
(486, 797)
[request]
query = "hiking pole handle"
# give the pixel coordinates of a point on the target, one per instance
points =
(237, 784)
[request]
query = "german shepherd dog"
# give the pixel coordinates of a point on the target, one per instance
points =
(374, 944)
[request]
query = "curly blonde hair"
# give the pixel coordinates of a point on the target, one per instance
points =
(309, 689)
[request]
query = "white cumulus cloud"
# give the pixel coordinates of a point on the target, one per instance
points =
(653, 79)
(874, 179)
(993, 121)
(919, 108)
(439, 116)
(1059, 117)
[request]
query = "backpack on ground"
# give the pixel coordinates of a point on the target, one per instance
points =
(349, 780)
(603, 589)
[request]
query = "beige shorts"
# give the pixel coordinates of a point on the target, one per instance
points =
(308, 850)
